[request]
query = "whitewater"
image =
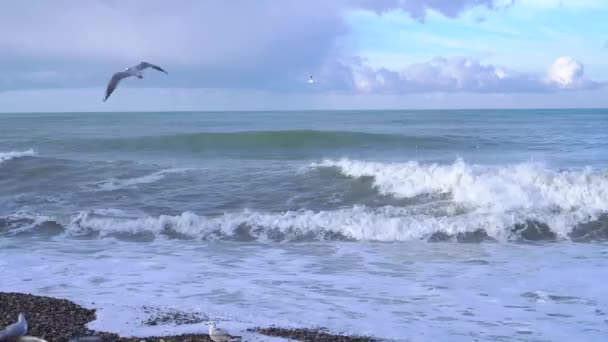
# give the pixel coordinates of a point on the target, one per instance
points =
(403, 225)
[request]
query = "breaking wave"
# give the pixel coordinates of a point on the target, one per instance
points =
(353, 224)
(457, 201)
(489, 189)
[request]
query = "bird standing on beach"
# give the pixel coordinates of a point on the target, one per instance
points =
(136, 71)
(16, 329)
(220, 335)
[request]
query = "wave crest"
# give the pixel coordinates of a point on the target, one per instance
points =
(524, 201)
(4, 156)
(355, 224)
(497, 189)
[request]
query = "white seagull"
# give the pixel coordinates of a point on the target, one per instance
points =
(310, 80)
(220, 335)
(16, 329)
(136, 71)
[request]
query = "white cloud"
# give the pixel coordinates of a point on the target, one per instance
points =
(566, 72)
(211, 43)
(418, 9)
(500, 73)
(460, 74)
(191, 32)
(145, 99)
(263, 44)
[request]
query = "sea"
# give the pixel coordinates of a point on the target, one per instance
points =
(455, 225)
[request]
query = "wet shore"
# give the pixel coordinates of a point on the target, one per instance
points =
(60, 320)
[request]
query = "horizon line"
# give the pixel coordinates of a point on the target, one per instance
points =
(303, 110)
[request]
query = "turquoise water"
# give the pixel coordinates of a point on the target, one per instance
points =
(573, 137)
(370, 217)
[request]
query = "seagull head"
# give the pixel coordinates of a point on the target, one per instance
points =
(211, 324)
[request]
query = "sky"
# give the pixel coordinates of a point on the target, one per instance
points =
(258, 54)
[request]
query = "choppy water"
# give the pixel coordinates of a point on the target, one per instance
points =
(416, 225)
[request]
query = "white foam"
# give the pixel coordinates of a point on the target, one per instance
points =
(497, 189)
(358, 223)
(24, 221)
(390, 291)
(492, 198)
(4, 156)
(116, 184)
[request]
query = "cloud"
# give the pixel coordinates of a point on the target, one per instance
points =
(229, 35)
(191, 32)
(461, 74)
(265, 45)
(143, 99)
(565, 4)
(418, 9)
(248, 44)
(567, 73)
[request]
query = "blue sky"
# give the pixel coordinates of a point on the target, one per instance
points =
(524, 36)
(364, 54)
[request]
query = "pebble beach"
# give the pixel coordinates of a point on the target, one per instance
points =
(59, 320)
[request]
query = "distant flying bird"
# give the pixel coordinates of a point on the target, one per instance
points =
(132, 71)
(16, 329)
(310, 80)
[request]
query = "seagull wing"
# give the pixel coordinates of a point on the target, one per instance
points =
(144, 65)
(117, 77)
(14, 330)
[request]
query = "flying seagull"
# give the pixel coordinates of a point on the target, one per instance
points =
(310, 80)
(136, 71)
(16, 329)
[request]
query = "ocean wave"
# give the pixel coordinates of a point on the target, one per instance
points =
(524, 187)
(4, 156)
(460, 201)
(275, 140)
(357, 223)
(122, 183)
(28, 223)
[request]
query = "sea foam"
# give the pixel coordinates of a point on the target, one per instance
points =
(121, 183)
(4, 156)
(503, 202)
(497, 189)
